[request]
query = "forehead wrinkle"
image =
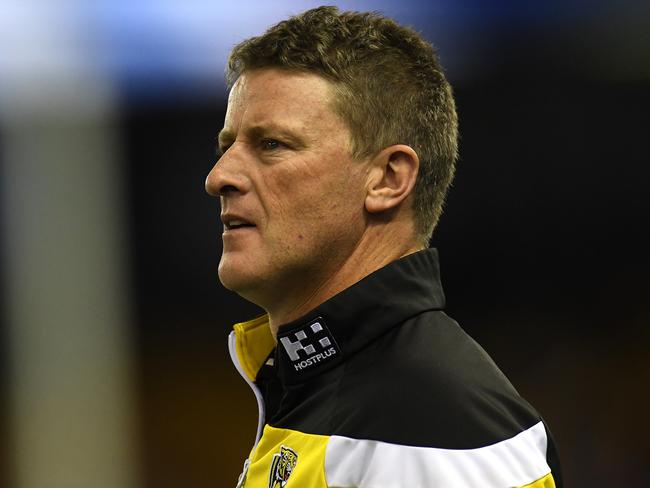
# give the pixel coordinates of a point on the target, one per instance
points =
(312, 100)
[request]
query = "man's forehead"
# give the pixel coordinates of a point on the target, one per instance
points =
(277, 99)
(272, 84)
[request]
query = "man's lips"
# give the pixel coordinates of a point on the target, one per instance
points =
(235, 222)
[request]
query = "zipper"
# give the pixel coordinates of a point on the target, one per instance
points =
(232, 348)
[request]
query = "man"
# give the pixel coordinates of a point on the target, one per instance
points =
(338, 147)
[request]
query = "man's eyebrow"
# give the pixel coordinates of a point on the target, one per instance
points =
(272, 131)
(227, 137)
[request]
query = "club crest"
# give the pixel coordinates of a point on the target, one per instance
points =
(282, 466)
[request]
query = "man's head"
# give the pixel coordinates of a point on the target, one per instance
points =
(287, 174)
(388, 87)
(333, 120)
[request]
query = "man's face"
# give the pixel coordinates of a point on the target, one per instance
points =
(287, 174)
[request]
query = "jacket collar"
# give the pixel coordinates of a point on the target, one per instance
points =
(344, 324)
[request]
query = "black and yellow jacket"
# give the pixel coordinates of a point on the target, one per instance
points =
(379, 388)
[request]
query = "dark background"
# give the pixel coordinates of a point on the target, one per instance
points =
(543, 245)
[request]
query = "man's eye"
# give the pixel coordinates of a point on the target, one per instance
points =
(270, 144)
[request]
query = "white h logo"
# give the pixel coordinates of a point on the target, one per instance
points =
(292, 348)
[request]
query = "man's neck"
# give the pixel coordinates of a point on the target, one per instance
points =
(366, 258)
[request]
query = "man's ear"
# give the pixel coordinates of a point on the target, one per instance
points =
(391, 178)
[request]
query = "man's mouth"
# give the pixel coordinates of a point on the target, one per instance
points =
(233, 224)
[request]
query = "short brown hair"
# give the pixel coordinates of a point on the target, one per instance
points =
(389, 86)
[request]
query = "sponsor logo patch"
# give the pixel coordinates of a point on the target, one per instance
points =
(309, 346)
(282, 466)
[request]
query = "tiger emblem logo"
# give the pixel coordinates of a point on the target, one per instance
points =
(282, 466)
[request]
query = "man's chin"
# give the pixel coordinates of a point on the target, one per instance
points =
(230, 277)
(237, 277)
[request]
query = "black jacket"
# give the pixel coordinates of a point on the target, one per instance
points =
(378, 387)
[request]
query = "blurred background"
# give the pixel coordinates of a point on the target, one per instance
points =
(114, 369)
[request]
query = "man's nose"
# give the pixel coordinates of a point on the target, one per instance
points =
(225, 177)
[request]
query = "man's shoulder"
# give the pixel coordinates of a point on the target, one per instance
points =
(427, 383)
